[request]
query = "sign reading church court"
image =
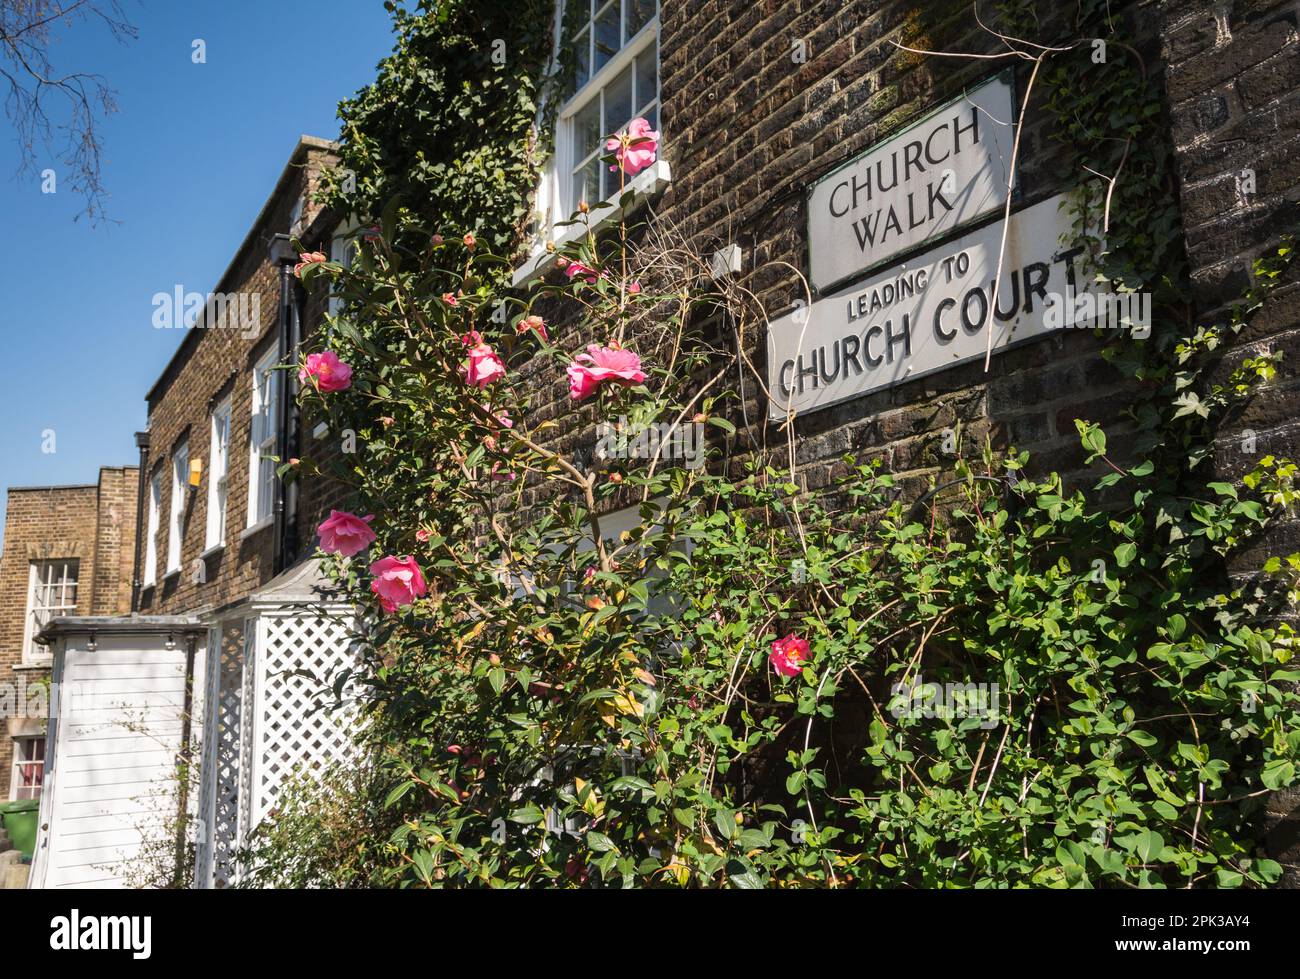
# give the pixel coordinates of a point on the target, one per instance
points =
(929, 313)
(939, 174)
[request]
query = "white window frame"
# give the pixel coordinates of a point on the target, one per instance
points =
(219, 475)
(261, 441)
(342, 252)
(176, 516)
(23, 758)
(151, 531)
(554, 203)
(41, 574)
(567, 162)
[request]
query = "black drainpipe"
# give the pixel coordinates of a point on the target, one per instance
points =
(142, 443)
(286, 436)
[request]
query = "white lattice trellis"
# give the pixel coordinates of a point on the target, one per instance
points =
(271, 715)
(297, 729)
(223, 749)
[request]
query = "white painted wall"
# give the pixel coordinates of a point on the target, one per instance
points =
(110, 757)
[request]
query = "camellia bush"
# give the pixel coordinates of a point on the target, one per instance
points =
(1011, 681)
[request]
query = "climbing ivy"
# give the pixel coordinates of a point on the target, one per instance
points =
(447, 126)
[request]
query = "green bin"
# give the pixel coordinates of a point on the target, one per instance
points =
(19, 820)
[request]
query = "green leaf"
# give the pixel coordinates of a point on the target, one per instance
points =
(726, 823)
(600, 842)
(1277, 773)
(1149, 846)
(527, 814)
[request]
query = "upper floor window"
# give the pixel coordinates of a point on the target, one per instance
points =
(343, 249)
(261, 446)
(219, 474)
(616, 50)
(52, 592)
(176, 517)
(151, 531)
(617, 80)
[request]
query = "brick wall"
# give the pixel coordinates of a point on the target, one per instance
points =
(1233, 85)
(94, 524)
(212, 364)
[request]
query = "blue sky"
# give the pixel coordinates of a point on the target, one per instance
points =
(191, 155)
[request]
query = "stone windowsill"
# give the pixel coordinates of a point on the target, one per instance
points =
(214, 549)
(261, 525)
(646, 184)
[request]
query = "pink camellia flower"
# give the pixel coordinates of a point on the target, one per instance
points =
(576, 269)
(532, 323)
(470, 240)
(325, 372)
(450, 299)
(602, 364)
(635, 148)
(309, 258)
(436, 240)
(397, 582)
(345, 533)
(471, 338)
(422, 535)
(788, 655)
(484, 366)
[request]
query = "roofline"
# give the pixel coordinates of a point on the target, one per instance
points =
(304, 143)
(59, 486)
(185, 625)
(66, 486)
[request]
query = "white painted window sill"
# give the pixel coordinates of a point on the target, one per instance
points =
(173, 573)
(254, 528)
(646, 184)
(214, 549)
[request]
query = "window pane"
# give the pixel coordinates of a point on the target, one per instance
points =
(582, 51)
(266, 490)
(586, 182)
(608, 40)
(647, 76)
(586, 131)
(618, 103)
(638, 13)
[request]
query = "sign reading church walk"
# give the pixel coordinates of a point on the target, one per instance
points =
(926, 314)
(929, 180)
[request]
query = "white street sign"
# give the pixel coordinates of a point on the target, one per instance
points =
(929, 180)
(929, 313)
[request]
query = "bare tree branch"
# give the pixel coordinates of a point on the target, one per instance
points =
(67, 129)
